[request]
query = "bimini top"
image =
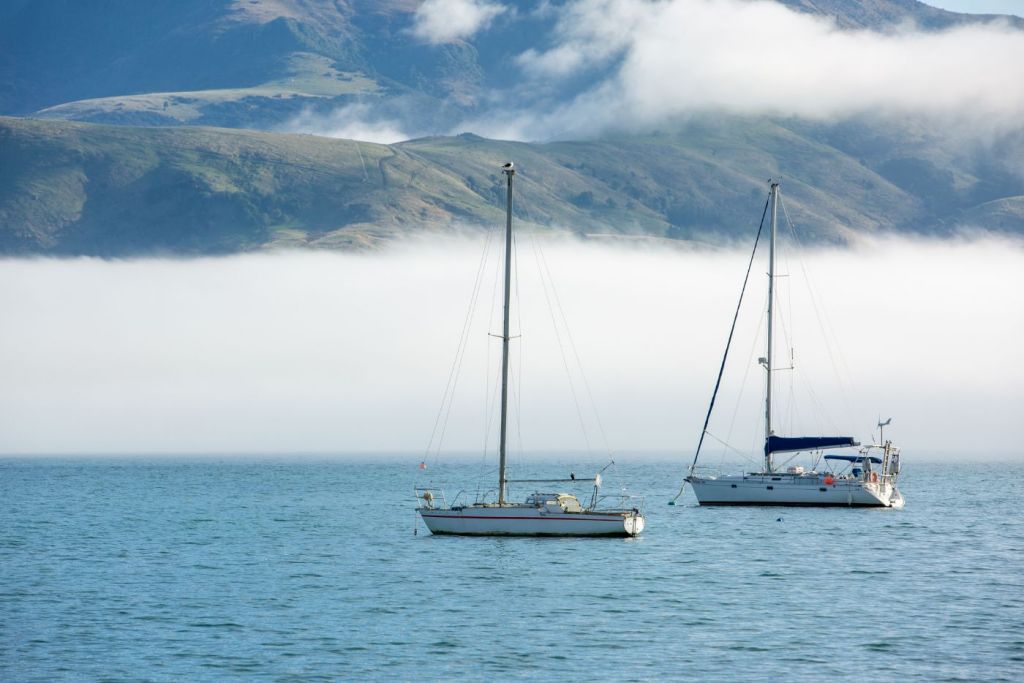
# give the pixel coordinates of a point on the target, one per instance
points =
(783, 444)
(855, 458)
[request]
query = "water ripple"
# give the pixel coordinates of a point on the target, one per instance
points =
(305, 570)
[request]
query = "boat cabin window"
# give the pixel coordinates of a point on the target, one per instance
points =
(566, 501)
(541, 498)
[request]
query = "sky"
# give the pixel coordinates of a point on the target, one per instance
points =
(344, 353)
(981, 6)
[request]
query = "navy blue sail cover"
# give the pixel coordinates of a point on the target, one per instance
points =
(783, 444)
(854, 458)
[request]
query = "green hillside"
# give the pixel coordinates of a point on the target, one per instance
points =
(76, 188)
(119, 158)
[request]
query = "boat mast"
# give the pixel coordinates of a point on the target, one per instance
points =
(509, 172)
(768, 355)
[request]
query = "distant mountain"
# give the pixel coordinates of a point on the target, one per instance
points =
(161, 179)
(250, 63)
(883, 14)
(75, 188)
(257, 63)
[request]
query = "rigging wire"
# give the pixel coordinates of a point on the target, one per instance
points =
(788, 331)
(546, 270)
(518, 393)
(516, 406)
(561, 353)
(827, 330)
(448, 396)
(725, 356)
(561, 350)
(491, 391)
(743, 385)
(489, 416)
(727, 445)
(550, 291)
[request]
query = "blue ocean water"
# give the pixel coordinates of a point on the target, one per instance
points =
(300, 569)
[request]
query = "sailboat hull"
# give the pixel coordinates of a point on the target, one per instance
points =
(794, 491)
(522, 520)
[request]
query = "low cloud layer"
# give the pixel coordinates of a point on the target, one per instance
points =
(442, 21)
(323, 352)
(599, 66)
(665, 59)
(352, 122)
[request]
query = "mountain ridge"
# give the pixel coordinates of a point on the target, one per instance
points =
(144, 119)
(132, 63)
(73, 188)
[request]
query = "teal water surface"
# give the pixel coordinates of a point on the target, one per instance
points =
(302, 569)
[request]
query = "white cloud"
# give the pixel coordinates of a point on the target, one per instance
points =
(294, 352)
(351, 122)
(442, 21)
(679, 56)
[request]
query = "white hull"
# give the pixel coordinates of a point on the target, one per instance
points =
(529, 520)
(794, 490)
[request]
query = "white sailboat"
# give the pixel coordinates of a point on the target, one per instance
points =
(868, 478)
(541, 513)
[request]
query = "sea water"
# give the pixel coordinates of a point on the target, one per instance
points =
(306, 569)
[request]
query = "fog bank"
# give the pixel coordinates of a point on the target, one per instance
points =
(325, 352)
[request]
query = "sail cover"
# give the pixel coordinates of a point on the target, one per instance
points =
(854, 458)
(784, 444)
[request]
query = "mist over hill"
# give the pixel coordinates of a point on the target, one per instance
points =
(633, 118)
(259, 63)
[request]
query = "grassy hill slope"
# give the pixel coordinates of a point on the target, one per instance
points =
(77, 188)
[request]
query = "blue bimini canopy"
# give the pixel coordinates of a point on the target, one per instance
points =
(784, 444)
(855, 458)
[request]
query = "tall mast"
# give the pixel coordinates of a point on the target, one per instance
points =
(509, 172)
(768, 355)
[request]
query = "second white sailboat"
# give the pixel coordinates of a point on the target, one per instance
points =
(867, 480)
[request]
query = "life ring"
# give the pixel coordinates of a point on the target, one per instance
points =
(829, 480)
(874, 477)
